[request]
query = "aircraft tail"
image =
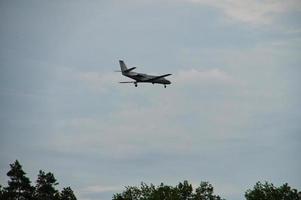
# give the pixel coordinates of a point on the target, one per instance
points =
(122, 66)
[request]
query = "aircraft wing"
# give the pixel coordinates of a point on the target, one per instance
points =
(157, 77)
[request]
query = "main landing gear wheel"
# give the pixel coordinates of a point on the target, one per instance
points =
(164, 86)
(135, 84)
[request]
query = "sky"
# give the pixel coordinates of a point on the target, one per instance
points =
(230, 117)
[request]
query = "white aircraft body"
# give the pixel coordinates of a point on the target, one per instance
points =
(142, 78)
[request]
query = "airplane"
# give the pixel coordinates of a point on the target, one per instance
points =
(141, 78)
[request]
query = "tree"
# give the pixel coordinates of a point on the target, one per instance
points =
(268, 191)
(165, 192)
(1, 192)
(67, 194)
(19, 187)
(205, 192)
(131, 193)
(183, 191)
(45, 187)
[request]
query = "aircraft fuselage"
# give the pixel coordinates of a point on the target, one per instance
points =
(139, 77)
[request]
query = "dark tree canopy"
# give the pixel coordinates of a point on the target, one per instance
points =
(19, 186)
(205, 192)
(67, 194)
(183, 191)
(1, 192)
(45, 188)
(267, 191)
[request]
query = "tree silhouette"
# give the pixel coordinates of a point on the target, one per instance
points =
(1, 193)
(67, 194)
(19, 187)
(165, 192)
(268, 191)
(183, 191)
(205, 192)
(45, 187)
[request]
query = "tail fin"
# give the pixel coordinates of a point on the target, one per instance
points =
(122, 66)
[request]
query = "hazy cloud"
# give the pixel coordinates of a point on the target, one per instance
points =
(253, 12)
(100, 189)
(193, 76)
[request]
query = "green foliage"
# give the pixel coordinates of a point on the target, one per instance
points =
(183, 191)
(165, 192)
(19, 186)
(45, 188)
(205, 192)
(1, 192)
(67, 194)
(267, 191)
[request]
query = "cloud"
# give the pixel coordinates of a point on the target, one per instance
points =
(228, 189)
(153, 109)
(253, 12)
(100, 189)
(97, 81)
(194, 76)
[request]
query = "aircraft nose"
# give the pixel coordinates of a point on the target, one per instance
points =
(168, 82)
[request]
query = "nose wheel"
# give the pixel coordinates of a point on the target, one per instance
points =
(164, 86)
(135, 84)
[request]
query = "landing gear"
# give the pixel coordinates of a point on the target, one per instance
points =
(164, 86)
(135, 84)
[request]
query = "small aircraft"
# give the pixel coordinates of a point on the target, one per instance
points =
(141, 78)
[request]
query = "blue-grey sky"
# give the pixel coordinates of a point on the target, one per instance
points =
(231, 116)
